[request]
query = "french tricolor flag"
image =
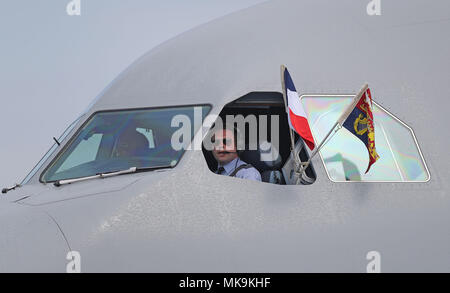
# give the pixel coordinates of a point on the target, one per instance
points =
(297, 116)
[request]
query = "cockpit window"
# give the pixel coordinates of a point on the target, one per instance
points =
(117, 140)
(346, 158)
(262, 127)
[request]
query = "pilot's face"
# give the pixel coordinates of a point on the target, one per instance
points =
(224, 146)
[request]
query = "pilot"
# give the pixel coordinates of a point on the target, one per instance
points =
(131, 143)
(226, 154)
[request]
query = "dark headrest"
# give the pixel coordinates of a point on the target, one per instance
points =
(134, 139)
(265, 157)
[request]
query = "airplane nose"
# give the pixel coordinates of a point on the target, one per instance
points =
(30, 240)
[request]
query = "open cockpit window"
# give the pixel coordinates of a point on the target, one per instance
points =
(345, 157)
(112, 141)
(259, 123)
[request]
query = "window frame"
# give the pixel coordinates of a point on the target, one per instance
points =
(391, 115)
(75, 135)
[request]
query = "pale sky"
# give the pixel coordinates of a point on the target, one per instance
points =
(53, 65)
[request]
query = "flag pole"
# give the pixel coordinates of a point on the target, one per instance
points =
(316, 150)
(339, 123)
(305, 165)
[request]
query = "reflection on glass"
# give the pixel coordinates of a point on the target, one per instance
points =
(346, 157)
(118, 140)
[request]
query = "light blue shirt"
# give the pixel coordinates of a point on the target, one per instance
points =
(245, 173)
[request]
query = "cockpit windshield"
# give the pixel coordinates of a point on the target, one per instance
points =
(118, 140)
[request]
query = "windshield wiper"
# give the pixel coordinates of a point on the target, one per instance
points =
(100, 175)
(107, 174)
(7, 189)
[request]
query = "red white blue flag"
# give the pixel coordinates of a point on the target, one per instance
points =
(296, 114)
